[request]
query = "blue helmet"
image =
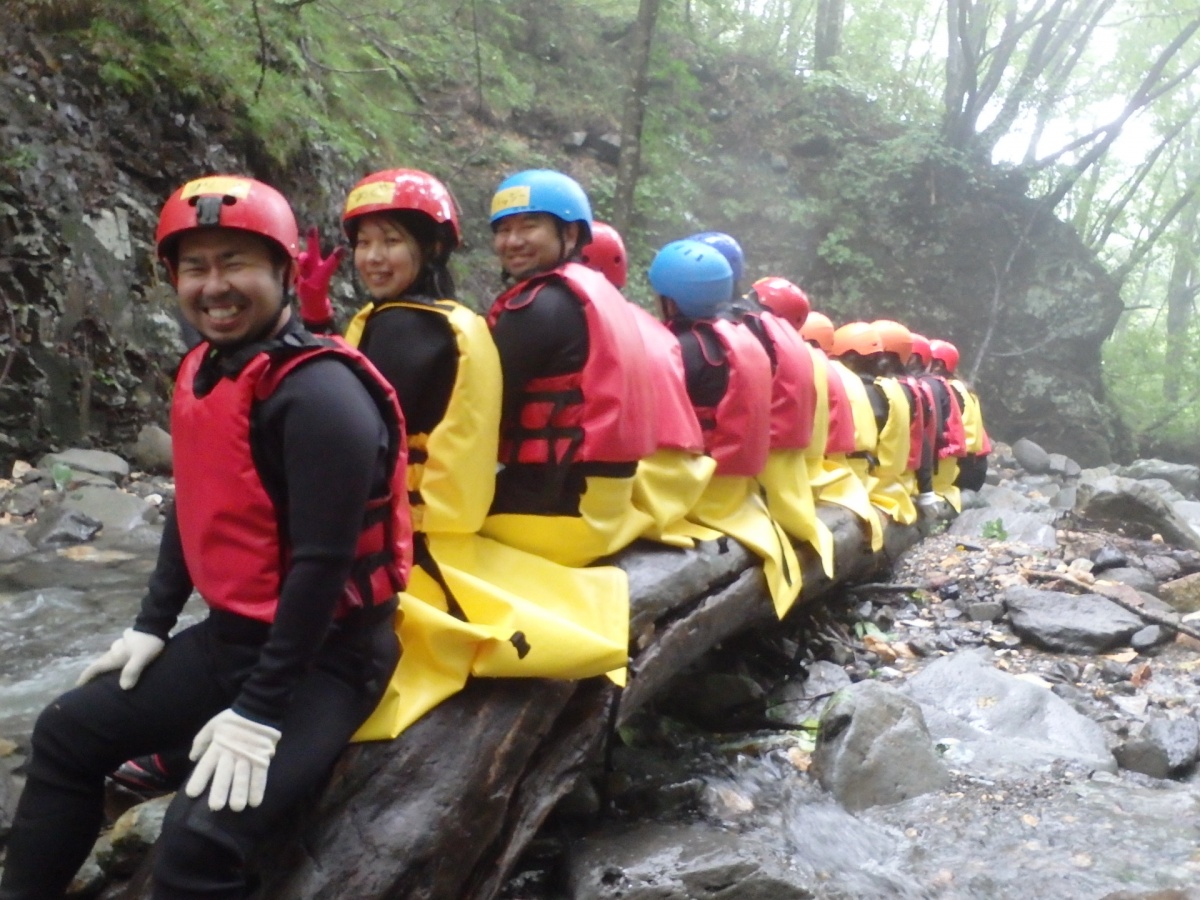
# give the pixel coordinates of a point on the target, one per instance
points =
(694, 275)
(543, 191)
(728, 247)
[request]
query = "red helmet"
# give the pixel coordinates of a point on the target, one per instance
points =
(783, 298)
(403, 190)
(920, 348)
(946, 353)
(859, 337)
(606, 254)
(896, 338)
(818, 329)
(226, 201)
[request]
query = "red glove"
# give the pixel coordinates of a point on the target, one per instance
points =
(313, 274)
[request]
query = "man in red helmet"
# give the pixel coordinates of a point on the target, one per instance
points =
(291, 521)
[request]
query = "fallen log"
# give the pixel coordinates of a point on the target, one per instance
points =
(444, 811)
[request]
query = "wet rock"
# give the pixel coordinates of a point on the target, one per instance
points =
(8, 801)
(986, 611)
(1001, 497)
(658, 862)
(999, 721)
(1166, 748)
(717, 701)
(793, 702)
(1064, 466)
(1070, 623)
(116, 510)
(1031, 457)
(1138, 579)
(13, 543)
(1150, 637)
(1108, 557)
(1184, 478)
(1066, 498)
(152, 452)
(23, 501)
(1033, 528)
(1120, 503)
(122, 849)
(1183, 594)
(873, 748)
(59, 524)
(1163, 568)
(98, 462)
(1165, 490)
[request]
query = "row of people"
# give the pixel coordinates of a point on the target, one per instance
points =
(475, 467)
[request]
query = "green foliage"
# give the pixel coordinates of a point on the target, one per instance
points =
(994, 529)
(1136, 364)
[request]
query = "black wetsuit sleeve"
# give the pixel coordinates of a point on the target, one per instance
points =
(547, 336)
(879, 402)
(321, 448)
(706, 384)
(416, 352)
(170, 584)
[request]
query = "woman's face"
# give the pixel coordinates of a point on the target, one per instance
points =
(386, 256)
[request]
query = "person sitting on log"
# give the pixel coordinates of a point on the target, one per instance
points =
(578, 407)
(972, 466)
(473, 606)
(728, 376)
(892, 363)
(291, 521)
(671, 480)
(782, 308)
(857, 346)
(829, 473)
(949, 437)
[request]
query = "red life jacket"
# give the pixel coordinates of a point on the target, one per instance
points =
(841, 413)
(793, 392)
(605, 411)
(737, 431)
(916, 423)
(676, 422)
(953, 439)
(228, 524)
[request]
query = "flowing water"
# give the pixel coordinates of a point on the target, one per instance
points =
(60, 609)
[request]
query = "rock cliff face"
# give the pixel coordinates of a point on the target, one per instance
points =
(89, 340)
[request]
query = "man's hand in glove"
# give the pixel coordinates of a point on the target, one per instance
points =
(234, 752)
(131, 653)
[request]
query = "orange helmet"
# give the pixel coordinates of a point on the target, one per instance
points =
(920, 348)
(858, 337)
(606, 254)
(403, 190)
(946, 353)
(226, 201)
(896, 338)
(818, 329)
(783, 298)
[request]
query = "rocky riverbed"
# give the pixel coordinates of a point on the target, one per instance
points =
(1011, 713)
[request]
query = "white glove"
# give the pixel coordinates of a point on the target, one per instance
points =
(929, 503)
(235, 753)
(131, 653)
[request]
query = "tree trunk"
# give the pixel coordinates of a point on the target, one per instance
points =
(827, 40)
(629, 162)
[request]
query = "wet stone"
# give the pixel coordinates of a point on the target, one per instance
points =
(1108, 557)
